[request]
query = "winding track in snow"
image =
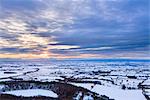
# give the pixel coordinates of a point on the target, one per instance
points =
(25, 73)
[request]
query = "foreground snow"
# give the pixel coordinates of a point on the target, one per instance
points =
(33, 92)
(113, 92)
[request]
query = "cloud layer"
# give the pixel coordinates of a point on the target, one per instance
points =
(74, 28)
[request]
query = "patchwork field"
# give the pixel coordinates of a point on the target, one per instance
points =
(75, 80)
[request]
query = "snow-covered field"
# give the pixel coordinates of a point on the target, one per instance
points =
(119, 80)
(33, 92)
(113, 92)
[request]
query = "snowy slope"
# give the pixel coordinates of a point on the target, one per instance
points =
(113, 92)
(33, 92)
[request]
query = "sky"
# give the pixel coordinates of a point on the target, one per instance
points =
(65, 29)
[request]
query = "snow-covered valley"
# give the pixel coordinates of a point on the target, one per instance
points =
(118, 80)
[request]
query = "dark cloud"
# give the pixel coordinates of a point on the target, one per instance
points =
(19, 50)
(14, 50)
(22, 5)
